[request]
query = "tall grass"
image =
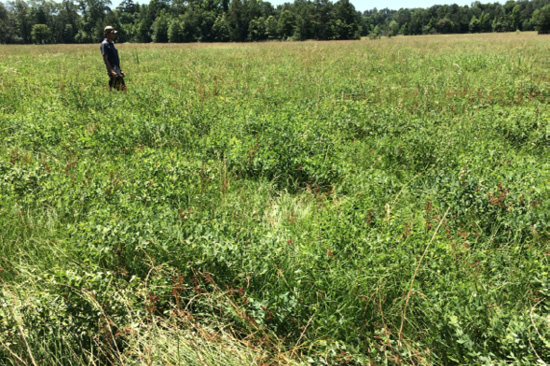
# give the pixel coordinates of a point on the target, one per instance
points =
(370, 202)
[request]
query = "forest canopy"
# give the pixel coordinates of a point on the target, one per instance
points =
(69, 21)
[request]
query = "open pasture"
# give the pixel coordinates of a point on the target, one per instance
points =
(323, 203)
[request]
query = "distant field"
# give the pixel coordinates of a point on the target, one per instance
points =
(326, 203)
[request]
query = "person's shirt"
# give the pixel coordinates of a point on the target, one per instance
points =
(109, 49)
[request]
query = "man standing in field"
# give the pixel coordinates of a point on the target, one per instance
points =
(110, 57)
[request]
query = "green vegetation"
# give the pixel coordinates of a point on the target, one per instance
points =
(163, 21)
(542, 17)
(338, 203)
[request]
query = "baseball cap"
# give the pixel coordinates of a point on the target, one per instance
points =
(110, 29)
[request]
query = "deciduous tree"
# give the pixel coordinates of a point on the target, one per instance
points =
(41, 33)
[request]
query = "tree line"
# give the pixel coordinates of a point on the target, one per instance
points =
(478, 18)
(68, 21)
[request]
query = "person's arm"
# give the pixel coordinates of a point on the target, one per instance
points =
(109, 68)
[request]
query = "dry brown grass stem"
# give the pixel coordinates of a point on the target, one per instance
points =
(7, 347)
(415, 273)
(21, 332)
(301, 335)
(538, 333)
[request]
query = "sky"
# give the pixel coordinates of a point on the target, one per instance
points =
(363, 5)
